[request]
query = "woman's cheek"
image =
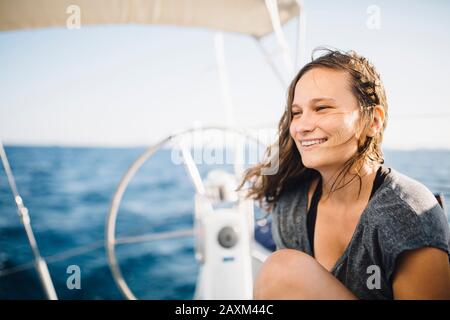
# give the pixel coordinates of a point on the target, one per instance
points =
(341, 128)
(292, 130)
(339, 134)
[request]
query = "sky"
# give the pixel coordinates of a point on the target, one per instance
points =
(133, 85)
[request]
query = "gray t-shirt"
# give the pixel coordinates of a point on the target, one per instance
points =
(402, 215)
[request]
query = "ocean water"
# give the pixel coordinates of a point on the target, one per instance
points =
(68, 193)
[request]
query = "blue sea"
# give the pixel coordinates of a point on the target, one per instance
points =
(68, 193)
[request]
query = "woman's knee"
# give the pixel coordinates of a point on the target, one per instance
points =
(279, 270)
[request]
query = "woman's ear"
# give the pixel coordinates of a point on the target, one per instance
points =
(377, 122)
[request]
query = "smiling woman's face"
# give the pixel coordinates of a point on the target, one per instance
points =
(325, 118)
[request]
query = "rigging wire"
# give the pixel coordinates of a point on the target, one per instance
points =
(22, 211)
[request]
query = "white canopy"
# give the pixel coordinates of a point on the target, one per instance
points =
(243, 16)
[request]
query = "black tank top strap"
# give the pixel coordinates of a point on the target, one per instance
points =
(312, 214)
(382, 172)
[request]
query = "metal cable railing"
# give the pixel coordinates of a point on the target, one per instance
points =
(77, 251)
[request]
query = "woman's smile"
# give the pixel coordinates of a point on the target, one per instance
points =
(309, 144)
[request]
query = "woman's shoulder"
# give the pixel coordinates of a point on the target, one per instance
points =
(400, 195)
(410, 191)
(405, 213)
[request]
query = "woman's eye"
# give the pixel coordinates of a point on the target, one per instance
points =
(322, 108)
(296, 113)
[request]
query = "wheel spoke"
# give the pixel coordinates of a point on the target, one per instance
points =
(155, 236)
(192, 168)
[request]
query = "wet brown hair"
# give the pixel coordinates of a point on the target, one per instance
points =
(367, 87)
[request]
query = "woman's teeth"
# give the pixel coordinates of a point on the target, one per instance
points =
(312, 142)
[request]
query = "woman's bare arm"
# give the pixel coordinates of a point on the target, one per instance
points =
(422, 274)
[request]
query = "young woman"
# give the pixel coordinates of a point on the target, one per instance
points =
(345, 225)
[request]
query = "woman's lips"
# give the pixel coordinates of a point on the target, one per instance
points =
(311, 143)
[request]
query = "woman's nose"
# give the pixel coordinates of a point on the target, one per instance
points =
(305, 123)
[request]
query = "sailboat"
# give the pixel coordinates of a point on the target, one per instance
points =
(228, 240)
